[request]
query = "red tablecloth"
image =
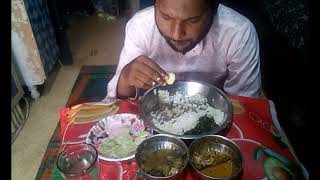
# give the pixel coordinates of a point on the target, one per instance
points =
(254, 130)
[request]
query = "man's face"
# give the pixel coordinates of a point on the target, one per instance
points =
(183, 23)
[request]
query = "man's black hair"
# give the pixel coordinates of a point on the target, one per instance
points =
(211, 3)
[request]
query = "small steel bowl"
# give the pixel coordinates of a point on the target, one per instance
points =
(216, 98)
(162, 141)
(219, 144)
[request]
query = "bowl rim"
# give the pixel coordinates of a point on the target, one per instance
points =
(88, 169)
(224, 139)
(170, 136)
(217, 130)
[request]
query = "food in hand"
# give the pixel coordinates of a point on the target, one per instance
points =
(171, 78)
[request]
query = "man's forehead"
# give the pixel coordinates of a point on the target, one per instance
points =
(181, 8)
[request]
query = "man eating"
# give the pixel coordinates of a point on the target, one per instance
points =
(198, 40)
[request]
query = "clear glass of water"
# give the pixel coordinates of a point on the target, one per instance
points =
(79, 162)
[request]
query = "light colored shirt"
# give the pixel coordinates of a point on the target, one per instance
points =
(228, 56)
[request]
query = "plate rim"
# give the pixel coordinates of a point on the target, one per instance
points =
(100, 156)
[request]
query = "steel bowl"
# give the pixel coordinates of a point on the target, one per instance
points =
(162, 141)
(219, 144)
(150, 102)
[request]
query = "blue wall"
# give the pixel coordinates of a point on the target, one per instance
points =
(146, 3)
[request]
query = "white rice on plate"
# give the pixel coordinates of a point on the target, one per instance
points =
(183, 112)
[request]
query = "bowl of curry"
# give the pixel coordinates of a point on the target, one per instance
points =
(162, 157)
(215, 157)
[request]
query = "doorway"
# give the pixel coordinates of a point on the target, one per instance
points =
(90, 32)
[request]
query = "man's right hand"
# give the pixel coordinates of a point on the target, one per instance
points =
(142, 73)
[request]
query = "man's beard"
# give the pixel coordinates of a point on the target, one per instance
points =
(192, 43)
(184, 50)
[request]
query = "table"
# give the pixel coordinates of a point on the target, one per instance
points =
(260, 116)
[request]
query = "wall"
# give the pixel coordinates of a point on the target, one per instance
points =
(145, 3)
(134, 6)
(24, 47)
